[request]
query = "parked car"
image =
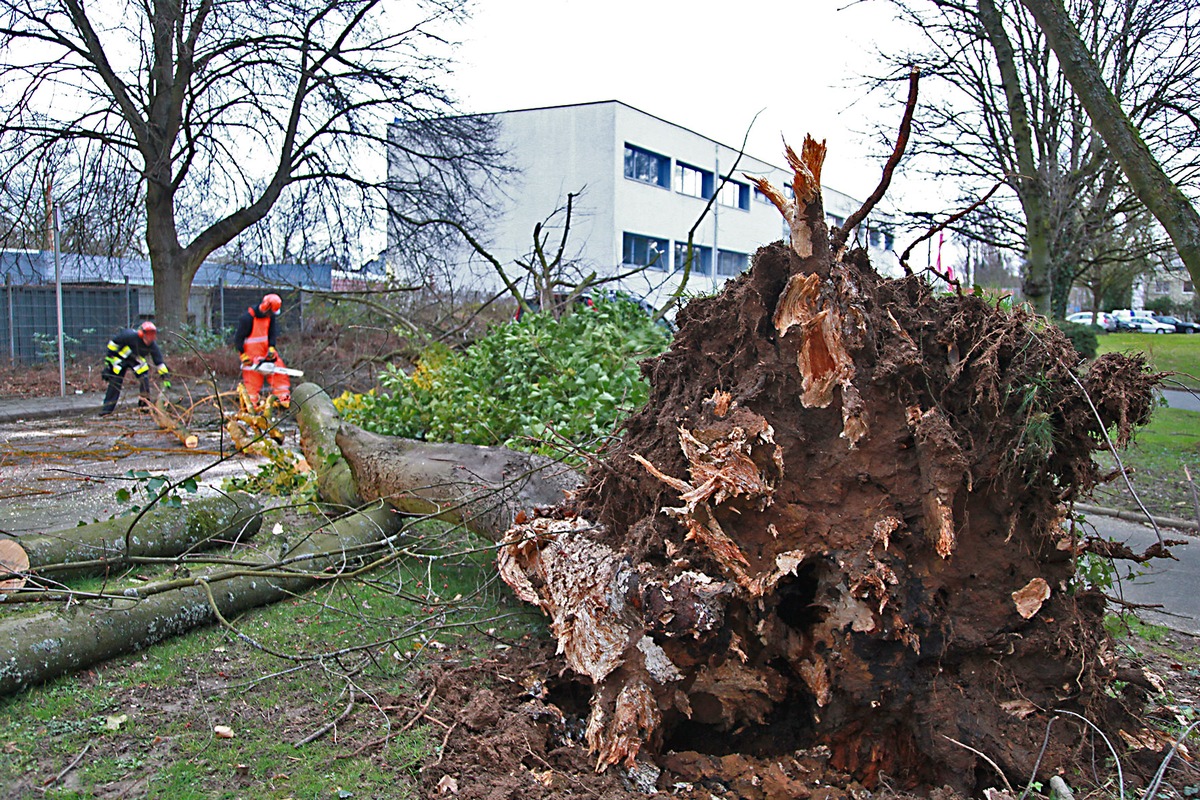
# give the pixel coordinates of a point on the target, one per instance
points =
(1109, 322)
(1085, 318)
(1181, 326)
(1150, 325)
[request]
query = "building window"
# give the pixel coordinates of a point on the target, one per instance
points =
(642, 165)
(693, 181)
(701, 258)
(834, 221)
(761, 197)
(645, 251)
(1187, 287)
(731, 263)
(734, 195)
(1162, 287)
(889, 239)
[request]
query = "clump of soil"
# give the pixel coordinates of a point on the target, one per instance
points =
(832, 547)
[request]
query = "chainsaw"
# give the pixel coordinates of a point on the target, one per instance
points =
(269, 368)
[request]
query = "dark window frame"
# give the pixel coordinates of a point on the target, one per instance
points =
(646, 166)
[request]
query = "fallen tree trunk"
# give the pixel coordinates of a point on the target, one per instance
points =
(45, 645)
(319, 421)
(162, 532)
(482, 488)
(837, 526)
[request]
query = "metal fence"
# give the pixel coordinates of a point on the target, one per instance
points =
(93, 313)
(29, 321)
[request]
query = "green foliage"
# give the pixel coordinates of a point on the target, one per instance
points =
(541, 384)
(1083, 337)
(285, 475)
(206, 340)
(1163, 305)
(155, 489)
(45, 346)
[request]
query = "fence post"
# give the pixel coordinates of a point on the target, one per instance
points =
(12, 339)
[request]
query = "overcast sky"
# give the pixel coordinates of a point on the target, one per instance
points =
(707, 67)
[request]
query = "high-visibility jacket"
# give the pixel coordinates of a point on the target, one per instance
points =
(126, 350)
(255, 333)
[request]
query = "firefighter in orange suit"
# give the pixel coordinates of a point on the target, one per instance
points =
(255, 340)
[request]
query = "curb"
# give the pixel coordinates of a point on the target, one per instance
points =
(1188, 526)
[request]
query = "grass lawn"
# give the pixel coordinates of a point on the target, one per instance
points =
(1155, 460)
(345, 659)
(1167, 353)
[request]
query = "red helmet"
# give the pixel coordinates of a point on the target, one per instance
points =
(148, 331)
(271, 304)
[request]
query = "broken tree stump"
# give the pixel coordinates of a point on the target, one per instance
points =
(161, 532)
(839, 523)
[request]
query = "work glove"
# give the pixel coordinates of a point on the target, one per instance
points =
(166, 384)
(272, 354)
(245, 359)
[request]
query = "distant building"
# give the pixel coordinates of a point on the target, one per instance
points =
(644, 182)
(1174, 283)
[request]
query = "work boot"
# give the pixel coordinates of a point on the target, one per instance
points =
(104, 412)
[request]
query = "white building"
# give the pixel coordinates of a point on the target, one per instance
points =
(642, 184)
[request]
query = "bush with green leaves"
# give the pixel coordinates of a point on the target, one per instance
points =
(1083, 337)
(541, 384)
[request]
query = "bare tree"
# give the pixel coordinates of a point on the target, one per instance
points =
(218, 106)
(1150, 182)
(1005, 110)
(97, 197)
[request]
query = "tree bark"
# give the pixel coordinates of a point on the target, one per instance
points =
(482, 488)
(45, 645)
(162, 532)
(1036, 278)
(1146, 176)
(319, 421)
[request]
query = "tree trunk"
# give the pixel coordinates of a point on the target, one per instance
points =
(319, 421)
(1147, 178)
(162, 532)
(1037, 278)
(482, 488)
(45, 645)
(167, 260)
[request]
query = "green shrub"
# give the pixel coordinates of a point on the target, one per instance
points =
(541, 384)
(1083, 337)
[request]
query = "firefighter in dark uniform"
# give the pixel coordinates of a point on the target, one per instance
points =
(128, 352)
(254, 339)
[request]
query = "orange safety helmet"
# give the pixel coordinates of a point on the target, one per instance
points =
(148, 331)
(271, 303)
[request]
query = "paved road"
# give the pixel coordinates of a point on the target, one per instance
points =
(1177, 398)
(1171, 584)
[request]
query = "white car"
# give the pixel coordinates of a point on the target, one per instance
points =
(1085, 318)
(1149, 325)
